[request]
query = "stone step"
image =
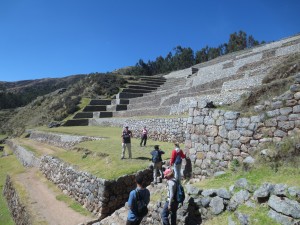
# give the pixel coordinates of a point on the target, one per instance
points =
(145, 84)
(153, 82)
(142, 87)
(82, 115)
(100, 102)
(123, 95)
(156, 111)
(94, 108)
(79, 122)
(153, 103)
(121, 107)
(153, 78)
(170, 100)
(105, 114)
(130, 90)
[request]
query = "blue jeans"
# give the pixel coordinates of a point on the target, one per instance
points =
(177, 172)
(165, 213)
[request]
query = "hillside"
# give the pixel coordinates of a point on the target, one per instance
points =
(52, 99)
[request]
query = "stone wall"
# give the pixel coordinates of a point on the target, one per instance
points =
(61, 140)
(100, 196)
(27, 158)
(216, 137)
(17, 209)
(162, 129)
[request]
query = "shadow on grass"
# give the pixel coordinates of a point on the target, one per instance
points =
(143, 158)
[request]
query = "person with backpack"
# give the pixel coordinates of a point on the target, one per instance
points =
(126, 142)
(144, 136)
(176, 161)
(157, 162)
(138, 201)
(171, 205)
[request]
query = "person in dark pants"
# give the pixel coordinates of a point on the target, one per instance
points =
(144, 194)
(157, 162)
(171, 205)
(126, 142)
(144, 136)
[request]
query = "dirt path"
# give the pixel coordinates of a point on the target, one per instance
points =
(44, 205)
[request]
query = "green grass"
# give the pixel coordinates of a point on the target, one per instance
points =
(286, 174)
(73, 204)
(8, 165)
(258, 216)
(111, 166)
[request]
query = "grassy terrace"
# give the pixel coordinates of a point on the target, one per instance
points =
(105, 159)
(8, 165)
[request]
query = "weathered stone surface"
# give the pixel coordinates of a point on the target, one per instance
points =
(263, 191)
(243, 218)
(211, 131)
(233, 135)
(231, 115)
(241, 183)
(285, 206)
(280, 189)
(217, 205)
(282, 219)
(209, 193)
(205, 201)
(191, 190)
(240, 197)
(223, 193)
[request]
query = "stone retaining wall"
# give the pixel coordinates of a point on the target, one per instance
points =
(216, 137)
(162, 129)
(27, 158)
(61, 140)
(17, 209)
(100, 196)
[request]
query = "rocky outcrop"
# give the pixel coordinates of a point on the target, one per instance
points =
(204, 204)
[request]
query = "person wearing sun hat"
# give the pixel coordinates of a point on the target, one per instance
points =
(171, 206)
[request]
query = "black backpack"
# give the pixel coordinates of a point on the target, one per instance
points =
(142, 209)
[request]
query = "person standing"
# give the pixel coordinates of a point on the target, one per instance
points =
(144, 136)
(139, 194)
(176, 161)
(171, 205)
(157, 162)
(126, 142)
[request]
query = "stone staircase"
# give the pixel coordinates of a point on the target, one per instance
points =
(106, 108)
(221, 80)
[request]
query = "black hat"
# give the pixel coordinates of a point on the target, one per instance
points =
(156, 146)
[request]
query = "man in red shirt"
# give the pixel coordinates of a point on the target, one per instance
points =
(176, 160)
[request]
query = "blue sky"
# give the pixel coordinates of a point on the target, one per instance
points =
(57, 38)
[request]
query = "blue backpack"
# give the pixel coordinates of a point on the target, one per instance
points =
(156, 156)
(178, 159)
(180, 195)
